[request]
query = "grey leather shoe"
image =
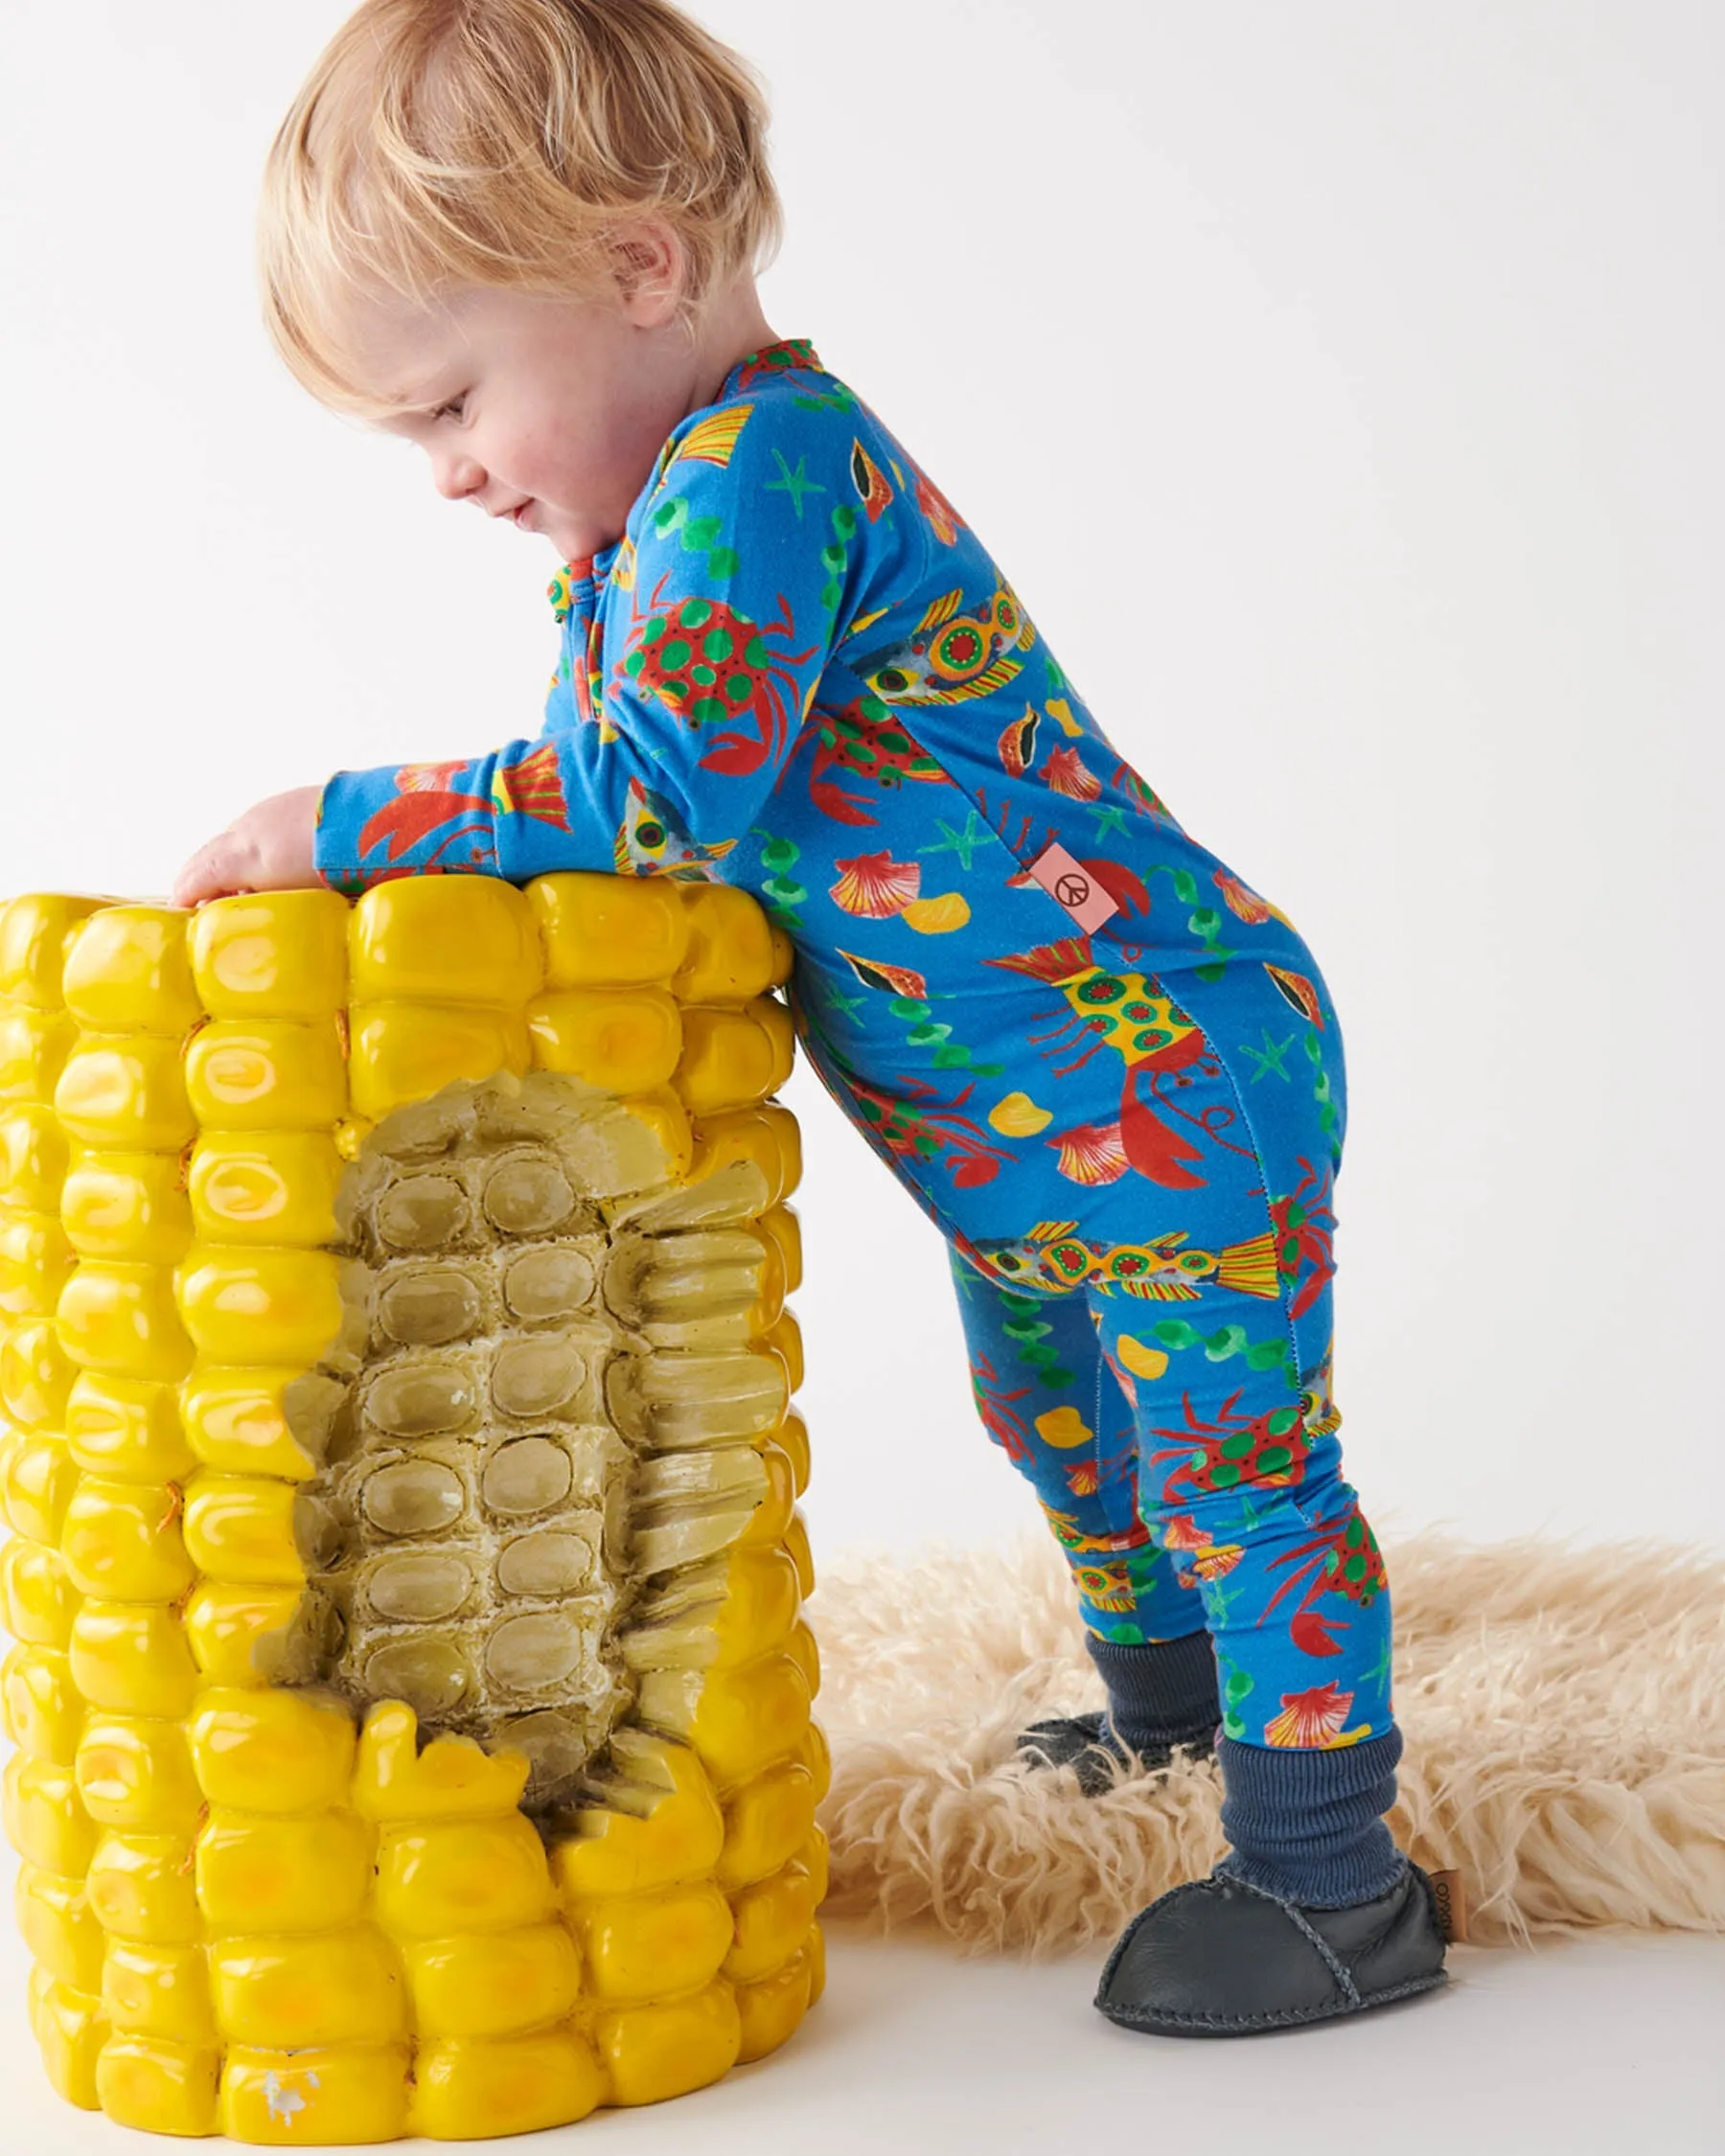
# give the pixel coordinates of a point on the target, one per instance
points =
(1218, 1957)
(1085, 1743)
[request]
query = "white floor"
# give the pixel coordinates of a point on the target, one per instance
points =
(1604, 2046)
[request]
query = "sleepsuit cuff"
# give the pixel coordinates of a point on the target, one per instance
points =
(1308, 1824)
(1160, 1691)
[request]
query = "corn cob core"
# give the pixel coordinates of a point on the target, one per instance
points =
(411, 1699)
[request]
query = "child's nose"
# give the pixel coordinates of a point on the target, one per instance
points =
(456, 477)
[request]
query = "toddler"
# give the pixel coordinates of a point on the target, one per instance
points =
(524, 233)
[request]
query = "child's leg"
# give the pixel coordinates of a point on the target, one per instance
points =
(1240, 1479)
(1050, 1400)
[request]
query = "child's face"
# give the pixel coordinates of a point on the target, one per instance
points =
(546, 411)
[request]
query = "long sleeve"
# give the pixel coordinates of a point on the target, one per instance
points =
(680, 699)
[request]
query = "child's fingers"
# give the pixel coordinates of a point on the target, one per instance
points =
(215, 870)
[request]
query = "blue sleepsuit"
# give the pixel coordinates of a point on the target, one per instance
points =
(1109, 1070)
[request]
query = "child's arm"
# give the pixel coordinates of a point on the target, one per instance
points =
(750, 559)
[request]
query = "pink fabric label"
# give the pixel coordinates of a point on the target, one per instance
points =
(1074, 886)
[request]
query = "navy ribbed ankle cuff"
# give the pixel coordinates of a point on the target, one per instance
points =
(1160, 1691)
(1308, 1825)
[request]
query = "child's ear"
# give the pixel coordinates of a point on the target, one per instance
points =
(648, 262)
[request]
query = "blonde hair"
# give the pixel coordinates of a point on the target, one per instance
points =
(444, 143)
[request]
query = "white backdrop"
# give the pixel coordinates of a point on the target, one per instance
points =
(1338, 384)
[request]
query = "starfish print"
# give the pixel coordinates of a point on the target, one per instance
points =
(963, 842)
(793, 483)
(1379, 1672)
(1110, 816)
(1269, 1057)
(839, 1004)
(1220, 1600)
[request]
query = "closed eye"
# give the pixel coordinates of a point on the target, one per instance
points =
(452, 408)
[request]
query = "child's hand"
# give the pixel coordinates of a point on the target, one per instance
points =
(270, 848)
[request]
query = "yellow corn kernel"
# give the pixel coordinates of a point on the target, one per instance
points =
(271, 1751)
(36, 1263)
(278, 1306)
(647, 1946)
(608, 932)
(125, 1092)
(71, 2029)
(358, 2092)
(773, 1922)
(121, 1320)
(136, 1773)
(463, 1876)
(788, 1134)
(402, 1051)
(230, 1630)
(127, 970)
(817, 1962)
(770, 1521)
(44, 1712)
(59, 1927)
(33, 1158)
(250, 1421)
(770, 1302)
(784, 958)
(614, 1852)
(36, 1378)
(816, 1853)
(666, 2049)
(241, 1528)
(451, 1779)
(730, 1059)
(122, 1541)
(476, 2087)
(784, 1229)
(127, 1429)
(730, 956)
(804, 1650)
(796, 1542)
(257, 1076)
(158, 1991)
(37, 1599)
(276, 1186)
(326, 1988)
(785, 1338)
(493, 1983)
(158, 2085)
(34, 1047)
(665, 1116)
(766, 1821)
(759, 1608)
(45, 1820)
(447, 939)
(738, 1720)
(292, 1875)
(771, 2008)
(40, 1477)
(140, 1887)
(277, 954)
(128, 1205)
(791, 1436)
(626, 1039)
(131, 1658)
(34, 932)
(813, 1753)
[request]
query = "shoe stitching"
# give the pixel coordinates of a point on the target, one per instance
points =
(1338, 1968)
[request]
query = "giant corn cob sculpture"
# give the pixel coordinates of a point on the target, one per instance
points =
(410, 1699)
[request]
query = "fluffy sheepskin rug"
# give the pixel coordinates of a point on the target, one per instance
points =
(1564, 1712)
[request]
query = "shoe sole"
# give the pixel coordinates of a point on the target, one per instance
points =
(1252, 2025)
